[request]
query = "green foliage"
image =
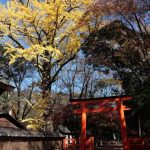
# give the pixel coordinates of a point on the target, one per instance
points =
(115, 47)
(142, 102)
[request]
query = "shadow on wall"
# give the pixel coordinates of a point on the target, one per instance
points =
(52, 145)
(35, 145)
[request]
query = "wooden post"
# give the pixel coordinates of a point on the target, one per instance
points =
(92, 143)
(123, 125)
(64, 144)
(83, 110)
(83, 127)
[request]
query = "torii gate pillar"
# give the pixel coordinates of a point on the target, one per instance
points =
(83, 127)
(123, 125)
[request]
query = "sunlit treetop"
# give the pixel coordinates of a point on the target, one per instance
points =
(43, 30)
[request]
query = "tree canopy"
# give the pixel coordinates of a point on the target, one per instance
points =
(45, 33)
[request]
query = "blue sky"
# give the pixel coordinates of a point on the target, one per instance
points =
(3, 1)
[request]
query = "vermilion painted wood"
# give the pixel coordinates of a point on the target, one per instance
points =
(74, 143)
(138, 143)
(98, 110)
(83, 127)
(123, 125)
(102, 108)
(99, 100)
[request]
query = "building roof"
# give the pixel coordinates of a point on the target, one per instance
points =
(21, 134)
(5, 87)
(64, 131)
(12, 120)
(26, 135)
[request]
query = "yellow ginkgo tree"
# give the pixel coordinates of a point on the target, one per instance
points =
(45, 33)
(38, 106)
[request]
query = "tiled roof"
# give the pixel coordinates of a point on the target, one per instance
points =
(11, 120)
(26, 135)
(5, 87)
(21, 134)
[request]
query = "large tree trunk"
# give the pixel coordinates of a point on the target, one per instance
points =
(46, 94)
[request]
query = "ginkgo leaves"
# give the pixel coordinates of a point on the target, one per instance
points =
(31, 53)
(58, 24)
(39, 108)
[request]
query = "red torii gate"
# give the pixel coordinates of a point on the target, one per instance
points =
(117, 106)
